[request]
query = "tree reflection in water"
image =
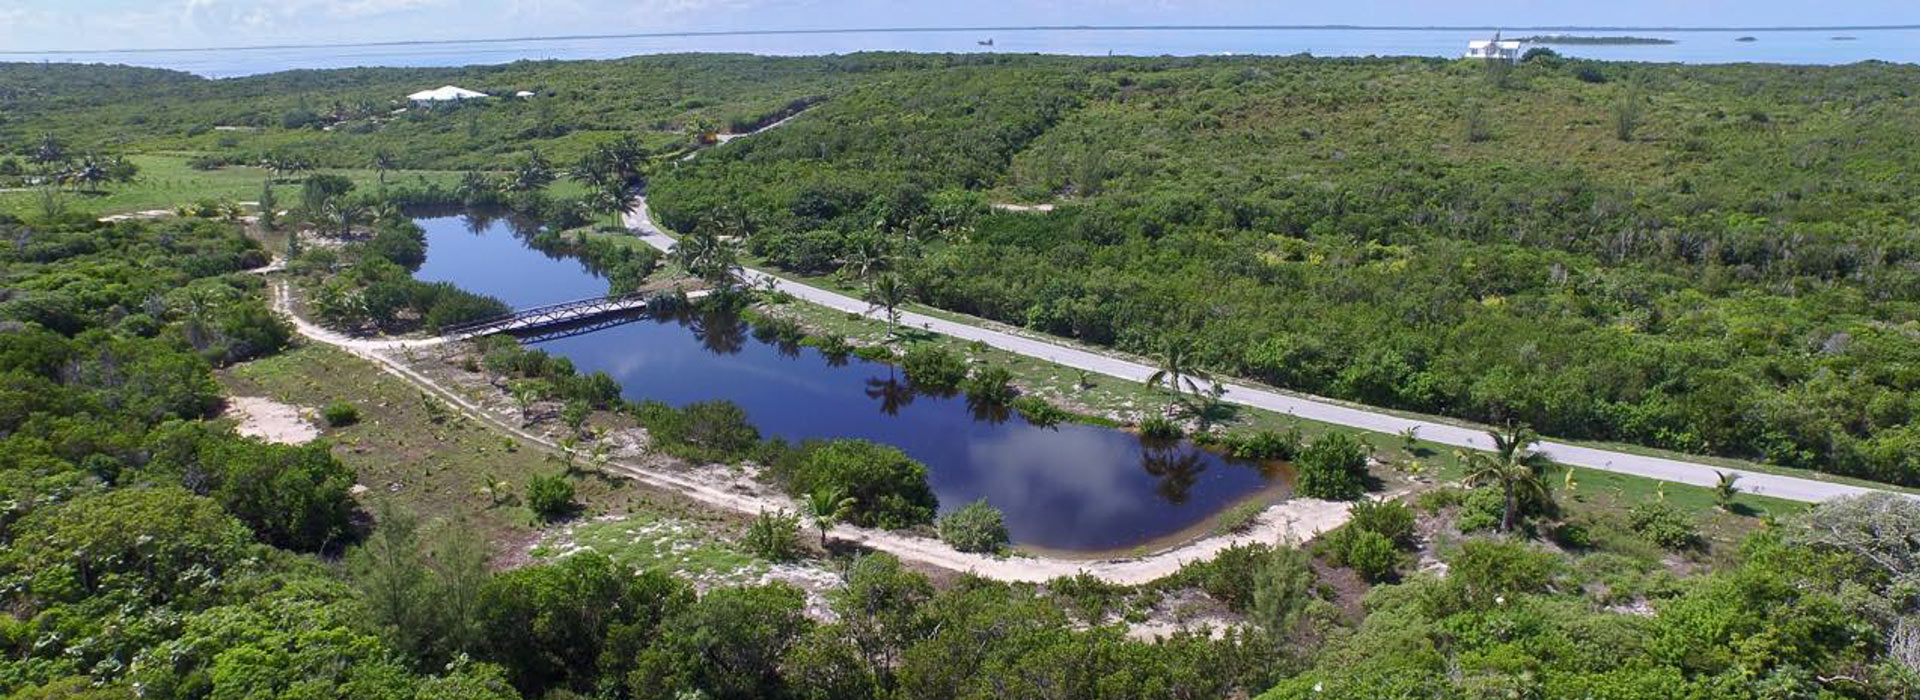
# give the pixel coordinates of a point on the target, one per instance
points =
(989, 412)
(1176, 464)
(721, 333)
(892, 393)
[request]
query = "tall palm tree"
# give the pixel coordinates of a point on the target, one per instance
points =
(615, 199)
(706, 254)
(532, 174)
(825, 507)
(1177, 371)
(888, 292)
(343, 213)
(871, 254)
(382, 162)
(1513, 465)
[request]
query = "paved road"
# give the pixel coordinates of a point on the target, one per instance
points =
(1323, 410)
(1309, 407)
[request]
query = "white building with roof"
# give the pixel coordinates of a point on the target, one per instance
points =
(445, 93)
(1496, 49)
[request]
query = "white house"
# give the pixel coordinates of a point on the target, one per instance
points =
(1495, 49)
(525, 94)
(445, 93)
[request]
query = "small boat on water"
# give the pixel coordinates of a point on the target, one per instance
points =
(988, 42)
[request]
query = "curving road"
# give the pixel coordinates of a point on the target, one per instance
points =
(1793, 488)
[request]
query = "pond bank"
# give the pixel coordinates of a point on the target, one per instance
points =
(721, 487)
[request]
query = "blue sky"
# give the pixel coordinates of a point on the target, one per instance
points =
(108, 24)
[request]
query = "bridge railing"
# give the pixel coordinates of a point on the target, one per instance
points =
(542, 315)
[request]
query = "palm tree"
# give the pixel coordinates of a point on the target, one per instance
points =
(532, 174)
(1177, 371)
(825, 507)
(269, 206)
(343, 213)
(1513, 465)
(615, 199)
(870, 254)
(1724, 489)
(888, 292)
(382, 162)
(707, 255)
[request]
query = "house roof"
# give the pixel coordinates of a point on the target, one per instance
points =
(445, 93)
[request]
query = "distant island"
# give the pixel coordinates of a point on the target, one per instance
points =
(1746, 38)
(1572, 39)
(1846, 38)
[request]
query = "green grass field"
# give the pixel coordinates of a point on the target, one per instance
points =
(165, 182)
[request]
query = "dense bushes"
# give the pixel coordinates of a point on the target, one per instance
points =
(1707, 290)
(378, 291)
(704, 431)
(974, 527)
(550, 496)
(1333, 467)
(340, 414)
(555, 377)
(934, 369)
(889, 488)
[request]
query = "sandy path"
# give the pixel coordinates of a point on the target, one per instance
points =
(271, 420)
(1297, 519)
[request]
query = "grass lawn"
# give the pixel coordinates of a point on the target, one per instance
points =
(437, 469)
(166, 182)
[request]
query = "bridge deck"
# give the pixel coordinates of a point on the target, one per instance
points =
(563, 313)
(550, 315)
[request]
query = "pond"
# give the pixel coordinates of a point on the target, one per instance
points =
(1070, 488)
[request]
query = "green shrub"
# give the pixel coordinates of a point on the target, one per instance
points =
(889, 488)
(1663, 524)
(550, 497)
(933, 368)
(1371, 555)
(991, 386)
(1572, 536)
(975, 527)
(1264, 445)
(774, 536)
(1160, 428)
(1038, 412)
(1486, 572)
(1390, 519)
(831, 345)
(340, 414)
(777, 329)
(706, 431)
(874, 353)
(1229, 577)
(1333, 468)
(1087, 595)
(1440, 499)
(1481, 509)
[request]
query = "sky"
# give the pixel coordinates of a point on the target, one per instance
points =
(30, 25)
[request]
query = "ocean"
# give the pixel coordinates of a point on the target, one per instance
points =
(1826, 46)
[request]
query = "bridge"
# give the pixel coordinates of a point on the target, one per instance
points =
(552, 316)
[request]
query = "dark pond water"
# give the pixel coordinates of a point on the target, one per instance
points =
(1074, 487)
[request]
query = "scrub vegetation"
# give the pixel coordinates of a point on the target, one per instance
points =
(1710, 259)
